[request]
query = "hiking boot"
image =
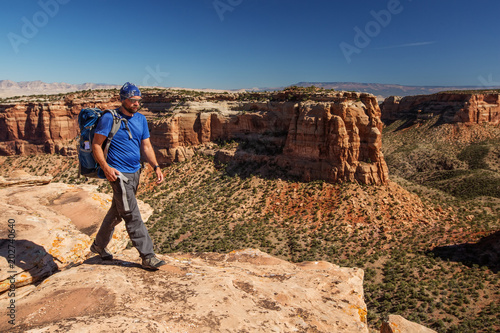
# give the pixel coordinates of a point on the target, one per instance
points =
(103, 253)
(152, 263)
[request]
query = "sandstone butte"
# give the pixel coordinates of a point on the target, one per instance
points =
(452, 107)
(59, 286)
(332, 136)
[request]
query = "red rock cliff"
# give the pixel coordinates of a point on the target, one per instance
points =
(335, 138)
(330, 136)
(452, 107)
(43, 127)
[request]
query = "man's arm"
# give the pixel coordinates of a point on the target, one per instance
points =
(111, 173)
(149, 153)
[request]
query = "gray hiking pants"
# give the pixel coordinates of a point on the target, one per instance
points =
(124, 206)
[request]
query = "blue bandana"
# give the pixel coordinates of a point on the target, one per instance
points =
(129, 90)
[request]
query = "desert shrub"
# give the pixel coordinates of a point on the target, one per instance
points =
(474, 155)
(478, 184)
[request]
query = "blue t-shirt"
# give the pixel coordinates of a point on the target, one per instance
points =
(124, 154)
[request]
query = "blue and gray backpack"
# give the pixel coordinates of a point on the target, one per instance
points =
(87, 122)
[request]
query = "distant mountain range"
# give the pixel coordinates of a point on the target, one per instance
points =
(10, 88)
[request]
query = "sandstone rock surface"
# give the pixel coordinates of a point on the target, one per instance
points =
(44, 126)
(398, 324)
(51, 228)
(243, 291)
(21, 178)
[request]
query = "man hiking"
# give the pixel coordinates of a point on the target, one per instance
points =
(122, 169)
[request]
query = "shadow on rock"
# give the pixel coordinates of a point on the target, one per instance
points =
(30, 262)
(96, 260)
(486, 252)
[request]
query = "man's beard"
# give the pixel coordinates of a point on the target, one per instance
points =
(131, 110)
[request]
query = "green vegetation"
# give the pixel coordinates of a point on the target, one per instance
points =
(475, 155)
(460, 168)
(157, 95)
(42, 98)
(455, 166)
(203, 209)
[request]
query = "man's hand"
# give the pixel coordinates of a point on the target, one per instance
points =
(111, 173)
(159, 176)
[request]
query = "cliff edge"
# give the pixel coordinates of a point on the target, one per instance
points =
(51, 283)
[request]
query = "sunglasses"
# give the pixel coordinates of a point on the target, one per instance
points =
(133, 100)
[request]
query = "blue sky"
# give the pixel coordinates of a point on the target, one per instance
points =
(230, 44)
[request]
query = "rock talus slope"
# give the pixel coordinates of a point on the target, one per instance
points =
(397, 324)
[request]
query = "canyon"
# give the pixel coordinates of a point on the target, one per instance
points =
(296, 134)
(333, 137)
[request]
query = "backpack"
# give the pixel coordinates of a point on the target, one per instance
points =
(87, 122)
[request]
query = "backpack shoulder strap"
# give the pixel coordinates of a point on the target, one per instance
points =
(117, 120)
